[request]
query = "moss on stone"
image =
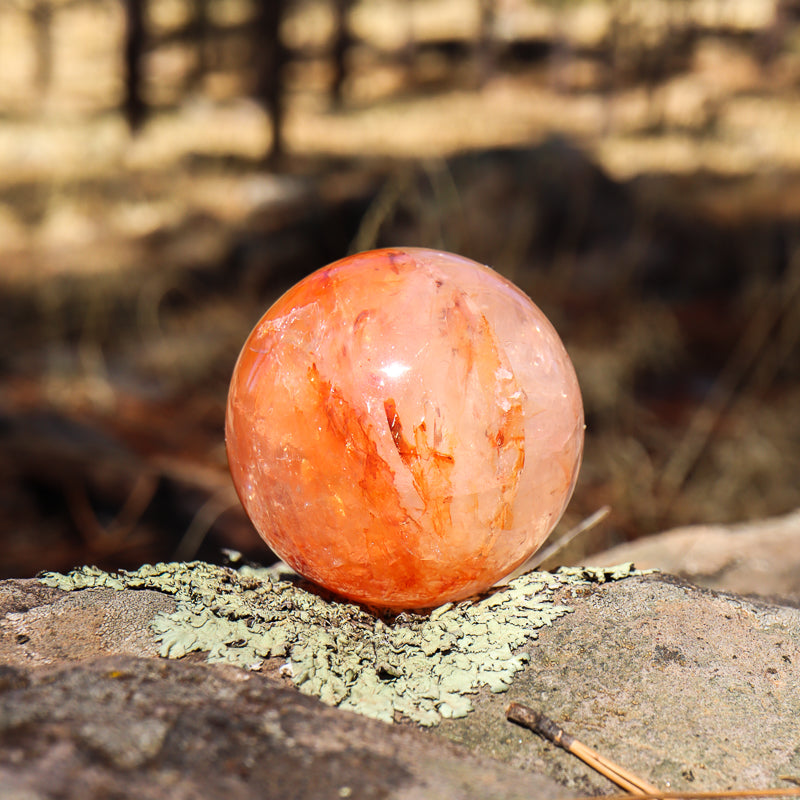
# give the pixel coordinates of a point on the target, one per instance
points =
(421, 666)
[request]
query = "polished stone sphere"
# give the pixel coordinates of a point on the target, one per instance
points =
(404, 427)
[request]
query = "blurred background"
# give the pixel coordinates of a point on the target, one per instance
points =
(169, 167)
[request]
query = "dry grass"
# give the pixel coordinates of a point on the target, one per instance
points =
(113, 241)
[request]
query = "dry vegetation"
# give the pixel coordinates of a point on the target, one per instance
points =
(633, 164)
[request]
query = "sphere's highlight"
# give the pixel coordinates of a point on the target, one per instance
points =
(404, 427)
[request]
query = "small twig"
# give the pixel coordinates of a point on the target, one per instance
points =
(544, 726)
(139, 498)
(205, 517)
(384, 204)
(775, 305)
(554, 549)
(722, 794)
(524, 715)
(540, 557)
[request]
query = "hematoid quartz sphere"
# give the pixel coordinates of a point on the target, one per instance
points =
(404, 427)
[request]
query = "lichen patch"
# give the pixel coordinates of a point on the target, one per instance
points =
(420, 666)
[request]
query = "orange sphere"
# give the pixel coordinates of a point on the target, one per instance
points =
(404, 427)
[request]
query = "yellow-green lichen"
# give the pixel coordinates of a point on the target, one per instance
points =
(422, 666)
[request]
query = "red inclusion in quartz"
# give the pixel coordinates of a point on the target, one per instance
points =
(404, 427)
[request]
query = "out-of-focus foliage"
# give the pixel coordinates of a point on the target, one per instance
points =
(633, 165)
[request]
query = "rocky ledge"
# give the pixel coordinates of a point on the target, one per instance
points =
(686, 687)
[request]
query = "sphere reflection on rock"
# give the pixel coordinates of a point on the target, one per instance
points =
(404, 427)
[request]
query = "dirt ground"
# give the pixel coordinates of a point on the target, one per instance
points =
(633, 165)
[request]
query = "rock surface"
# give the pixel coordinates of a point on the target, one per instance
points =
(752, 558)
(686, 687)
(142, 728)
(413, 666)
(40, 625)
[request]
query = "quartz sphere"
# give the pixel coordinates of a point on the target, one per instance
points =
(404, 427)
